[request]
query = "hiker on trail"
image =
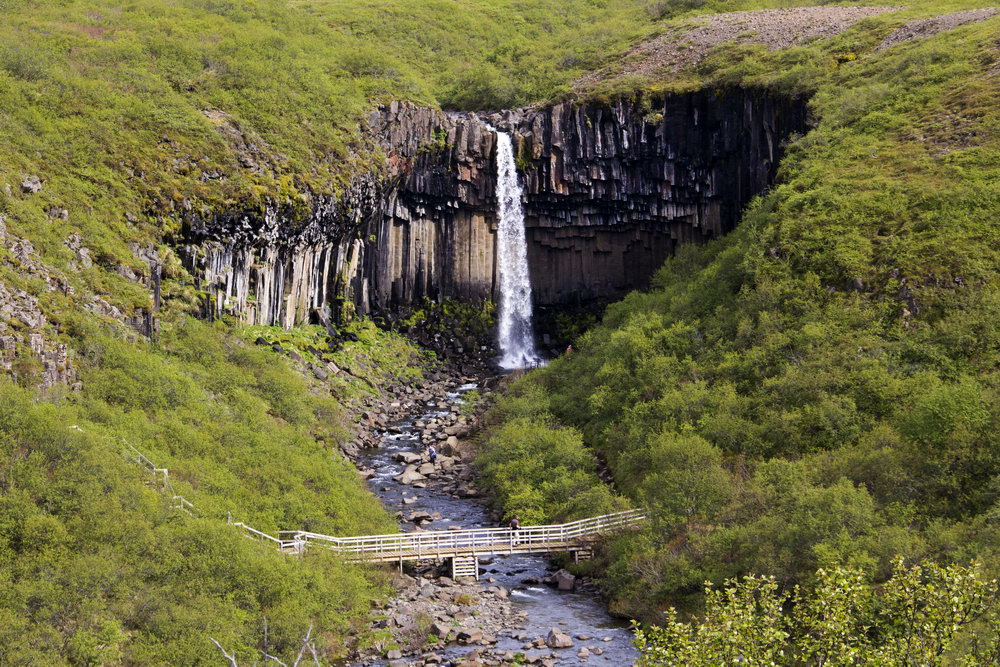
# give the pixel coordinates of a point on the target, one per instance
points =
(432, 454)
(515, 525)
(569, 350)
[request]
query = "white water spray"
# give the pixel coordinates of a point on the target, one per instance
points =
(516, 337)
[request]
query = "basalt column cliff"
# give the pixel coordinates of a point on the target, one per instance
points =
(610, 190)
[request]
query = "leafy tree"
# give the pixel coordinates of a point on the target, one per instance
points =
(682, 477)
(916, 618)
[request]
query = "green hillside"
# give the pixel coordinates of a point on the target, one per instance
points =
(97, 566)
(819, 388)
(129, 115)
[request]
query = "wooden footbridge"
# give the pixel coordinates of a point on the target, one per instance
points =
(464, 547)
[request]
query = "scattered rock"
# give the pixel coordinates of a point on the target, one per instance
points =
(774, 28)
(31, 185)
(558, 639)
(922, 28)
(499, 591)
(564, 580)
(470, 636)
(410, 477)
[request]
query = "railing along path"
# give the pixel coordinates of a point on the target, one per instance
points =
(468, 542)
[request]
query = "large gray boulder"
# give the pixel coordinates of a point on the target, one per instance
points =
(470, 636)
(410, 477)
(564, 580)
(441, 629)
(558, 639)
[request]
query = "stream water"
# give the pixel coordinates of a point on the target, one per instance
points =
(576, 613)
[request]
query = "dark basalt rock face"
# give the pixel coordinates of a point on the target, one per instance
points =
(610, 190)
(613, 190)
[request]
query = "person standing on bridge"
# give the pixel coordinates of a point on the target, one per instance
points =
(515, 525)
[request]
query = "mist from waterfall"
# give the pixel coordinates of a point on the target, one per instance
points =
(515, 334)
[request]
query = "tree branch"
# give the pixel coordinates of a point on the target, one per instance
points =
(305, 644)
(231, 659)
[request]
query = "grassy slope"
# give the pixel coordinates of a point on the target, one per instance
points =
(96, 566)
(105, 102)
(821, 386)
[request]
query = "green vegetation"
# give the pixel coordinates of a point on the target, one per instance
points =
(377, 356)
(469, 324)
(487, 54)
(921, 616)
(543, 471)
(134, 116)
(819, 389)
(97, 567)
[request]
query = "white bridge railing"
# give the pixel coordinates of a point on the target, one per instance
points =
(468, 542)
(573, 536)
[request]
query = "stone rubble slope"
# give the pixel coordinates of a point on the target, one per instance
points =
(774, 28)
(927, 27)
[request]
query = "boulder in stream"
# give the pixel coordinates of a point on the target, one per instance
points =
(558, 639)
(408, 457)
(410, 477)
(564, 580)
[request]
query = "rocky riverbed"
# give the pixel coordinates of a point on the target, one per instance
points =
(522, 610)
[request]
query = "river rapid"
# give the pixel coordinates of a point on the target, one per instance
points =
(529, 608)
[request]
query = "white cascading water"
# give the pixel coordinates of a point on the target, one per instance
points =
(516, 337)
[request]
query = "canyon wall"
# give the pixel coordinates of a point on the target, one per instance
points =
(610, 190)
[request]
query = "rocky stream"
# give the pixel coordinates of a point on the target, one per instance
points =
(523, 610)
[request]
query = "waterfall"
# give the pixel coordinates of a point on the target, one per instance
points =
(516, 337)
